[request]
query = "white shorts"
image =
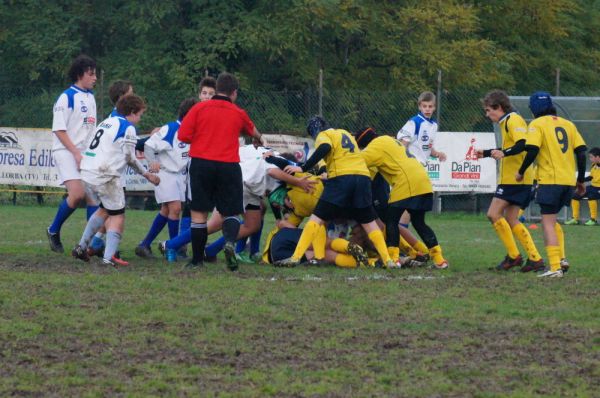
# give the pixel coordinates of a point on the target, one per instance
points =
(171, 188)
(109, 194)
(251, 198)
(66, 166)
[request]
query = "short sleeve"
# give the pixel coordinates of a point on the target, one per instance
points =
(61, 113)
(534, 135)
(323, 138)
(407, 132)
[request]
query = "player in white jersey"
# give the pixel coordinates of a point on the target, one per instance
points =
(168, 157)
(111, 149)
(74, 120)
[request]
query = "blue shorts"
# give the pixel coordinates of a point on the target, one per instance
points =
(284, 243)
(349, 191)
(420, 202)
(591, 193)
(519, 195)
(552, 198)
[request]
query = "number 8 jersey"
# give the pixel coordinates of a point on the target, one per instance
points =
(106, 155)
(557, 139)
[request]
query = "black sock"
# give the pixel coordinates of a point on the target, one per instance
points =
(231, 227)
(199, 236)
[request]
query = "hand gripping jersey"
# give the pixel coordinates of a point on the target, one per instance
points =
(557, 139)
(344, 157)
(513, 128)
(165, 148)
(420, 133)
(106, 155)
(75, 113)
(304, 202)
(405, 174)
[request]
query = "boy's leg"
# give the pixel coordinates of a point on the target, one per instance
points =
(575, 206)
(75, 194)
(114, 233)
(496, 216)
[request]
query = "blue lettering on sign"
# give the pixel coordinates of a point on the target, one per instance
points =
(12, 159)
(42, 158)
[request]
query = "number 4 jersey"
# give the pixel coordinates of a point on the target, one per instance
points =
(557, 139)
(344, 157)
(106, 155)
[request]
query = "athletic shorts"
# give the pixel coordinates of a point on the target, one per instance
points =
(348, 191)
(328, 211)
(420, 202)
(109, 195)
(251, 198)
(519, 195)
(591, 193)
(216, 185)
(284, 243)
(171, 188)
(552, 198)
(66, 166)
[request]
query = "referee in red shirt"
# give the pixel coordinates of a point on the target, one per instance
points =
(212, 128)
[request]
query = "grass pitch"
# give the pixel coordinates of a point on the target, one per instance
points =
(69, 329)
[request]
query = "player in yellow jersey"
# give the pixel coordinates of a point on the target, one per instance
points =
(347, 193)
(511, 195)
(411, 190)
(555, 143)
(592, 192)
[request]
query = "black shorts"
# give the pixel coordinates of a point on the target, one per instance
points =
(552, 198)
(328, 211)
(349, 191)
(216, 184)
(420, 202)
(284, 243)
(519, 195)
(591, 193)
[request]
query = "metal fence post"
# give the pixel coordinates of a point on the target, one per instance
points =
(321, 92)
(557, 82)
(439, 97)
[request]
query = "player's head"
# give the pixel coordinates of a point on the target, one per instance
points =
(207, 88)
(119, 89)
(83, 71)
(364, 136)
(277, 197)
(185, 107)
(594, 154)
(131, 107)
(426, 103)
(540, 104)
(315, 125)
(496, 104)
(228, 85)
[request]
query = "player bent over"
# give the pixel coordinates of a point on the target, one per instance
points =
(555, 142)
(592, 192)
(110, 151)
(511, 195)
(411, 191)
(168, 157)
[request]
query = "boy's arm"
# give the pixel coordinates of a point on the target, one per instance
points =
(128, 148)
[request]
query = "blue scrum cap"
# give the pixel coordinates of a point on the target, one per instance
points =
(315, 125)
(540, 103)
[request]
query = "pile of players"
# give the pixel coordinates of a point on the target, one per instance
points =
(359, 191)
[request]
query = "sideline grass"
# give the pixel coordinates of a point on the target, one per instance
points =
(69, 329)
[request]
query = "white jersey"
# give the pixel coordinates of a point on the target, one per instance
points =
(165, 148)
(106, 155)
(420, 133)
(75, 113)
(254, 168)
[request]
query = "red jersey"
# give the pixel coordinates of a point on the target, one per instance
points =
(212, 129)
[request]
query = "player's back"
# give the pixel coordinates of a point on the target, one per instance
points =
(557, 139)
(344, 157)
(305, 202)
(105, 155)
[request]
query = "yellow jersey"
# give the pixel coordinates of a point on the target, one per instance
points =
(595, 174)
(557, 139)
(405, 174)
(304, 202)
(344, 157)
(513, 128)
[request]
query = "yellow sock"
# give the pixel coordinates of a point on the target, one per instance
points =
(345, 261)
(404, 246)
(308, 235)
(553, 257)
(505, 234)
(436, 254)
(394, 252)
(523, 235)
(593, 209)
(379, 242)
(340, 245)
(421, 247)
(575, 208)
(561, 239)
(319, 242)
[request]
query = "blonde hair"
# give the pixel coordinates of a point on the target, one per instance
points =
(426, 96)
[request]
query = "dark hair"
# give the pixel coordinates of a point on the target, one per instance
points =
(364, 136)
(208, 81)
(289, 156)
(227, 83)
(595, 151)
(129, 104)
(185, 107)
(79, 66)
(118, 89)
(497, 99)
(426, 96)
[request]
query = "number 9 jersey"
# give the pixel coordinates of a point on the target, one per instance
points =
(557, 139)
(344, 157)
(106, 155)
